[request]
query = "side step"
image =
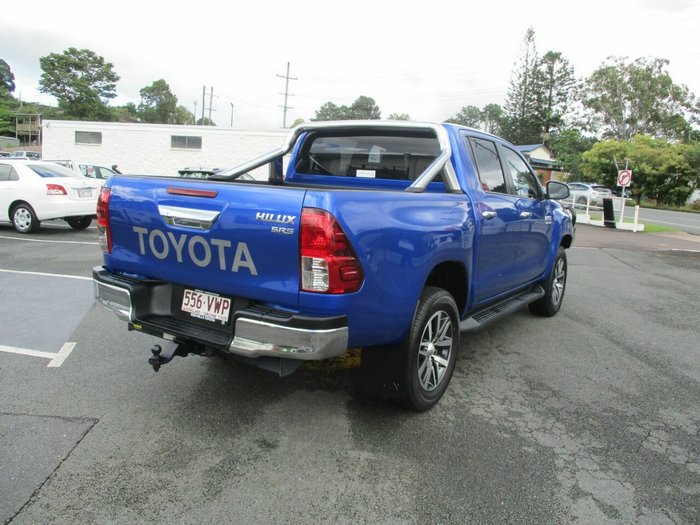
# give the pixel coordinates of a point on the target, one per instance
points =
(496, 311)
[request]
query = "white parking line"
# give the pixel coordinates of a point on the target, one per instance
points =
(56, 358)
(62, 355)
(48, 274)
(47, 241)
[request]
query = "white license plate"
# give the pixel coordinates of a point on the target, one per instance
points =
(85, 194)
(207, 306)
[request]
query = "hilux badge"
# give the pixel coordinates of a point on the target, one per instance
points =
(276, 218)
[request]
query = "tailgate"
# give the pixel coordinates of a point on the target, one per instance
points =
(240, 240)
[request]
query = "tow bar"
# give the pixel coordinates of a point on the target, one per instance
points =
(165, 355)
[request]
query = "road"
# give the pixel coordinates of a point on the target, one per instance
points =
(684, 221)
(592, 416)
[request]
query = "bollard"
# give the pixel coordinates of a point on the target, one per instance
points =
(608, 213)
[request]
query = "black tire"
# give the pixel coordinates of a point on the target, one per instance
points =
(393, 372)
(79, 223)
(554, 288)
(24, 219)
(581, 200)
(431, 349)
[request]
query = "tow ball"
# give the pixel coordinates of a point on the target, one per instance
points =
(162, 355)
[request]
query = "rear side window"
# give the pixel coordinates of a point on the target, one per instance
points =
(488, 165)
(7, 173)
(50, 170)
(371, 156)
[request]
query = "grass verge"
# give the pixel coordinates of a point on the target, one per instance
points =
(649, 227)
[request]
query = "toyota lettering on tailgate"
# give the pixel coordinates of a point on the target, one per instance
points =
(198, 249)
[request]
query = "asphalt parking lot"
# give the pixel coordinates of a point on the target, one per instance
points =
(592, 416)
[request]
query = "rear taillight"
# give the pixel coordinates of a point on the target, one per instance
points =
(105, 232)
(328, 262)
(55, 189)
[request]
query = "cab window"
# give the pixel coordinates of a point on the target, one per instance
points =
(524, 181)
(488, 165)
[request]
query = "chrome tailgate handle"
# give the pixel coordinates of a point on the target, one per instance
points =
(199, 219)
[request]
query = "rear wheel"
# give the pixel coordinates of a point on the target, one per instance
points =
(555, 286)
(418, 370)
(24, 219)
(431, 348)
(79, 223)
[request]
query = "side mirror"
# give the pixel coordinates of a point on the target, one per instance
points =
(557, 190)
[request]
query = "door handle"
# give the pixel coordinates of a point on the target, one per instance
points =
(525, 214)
(488, 215)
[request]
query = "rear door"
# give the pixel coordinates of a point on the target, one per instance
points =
(498, 222)
(235, 239)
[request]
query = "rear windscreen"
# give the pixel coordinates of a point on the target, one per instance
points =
(50, 170)
(372, 156)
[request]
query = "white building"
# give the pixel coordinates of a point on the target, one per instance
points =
(154, 149)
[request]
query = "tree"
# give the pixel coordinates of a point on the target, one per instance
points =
(81, 81)
(364, 108)
(7, 121)
(127, 113)
(206, 121)
(492, 119)
(625, 99)
(7, 79)
(568, 146)
(158, 104)
(522, 124)
(555, 91)
(663, 171)
(469, 116)
(297, 122)
(183, 115)
(329, 111)
(488, 119)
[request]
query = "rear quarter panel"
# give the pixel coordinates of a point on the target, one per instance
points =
(399, 238)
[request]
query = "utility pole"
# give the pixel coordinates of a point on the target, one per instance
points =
(286, 94)
(211, 100)
(204, 101)
(231, 113)
(194, 115)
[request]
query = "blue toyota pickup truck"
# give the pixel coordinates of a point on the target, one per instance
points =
(394, 237)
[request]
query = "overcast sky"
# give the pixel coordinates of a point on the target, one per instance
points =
(427, 58)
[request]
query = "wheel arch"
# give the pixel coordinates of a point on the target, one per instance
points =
(16, 203)
(451, 276)
(566, 241)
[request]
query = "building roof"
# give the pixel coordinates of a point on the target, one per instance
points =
(528, 148)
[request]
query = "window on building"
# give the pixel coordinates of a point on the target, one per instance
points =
(182, 142)
(88, 137)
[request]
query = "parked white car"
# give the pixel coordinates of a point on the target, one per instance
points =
(87, 169)
(582, 192)
(34, 191)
